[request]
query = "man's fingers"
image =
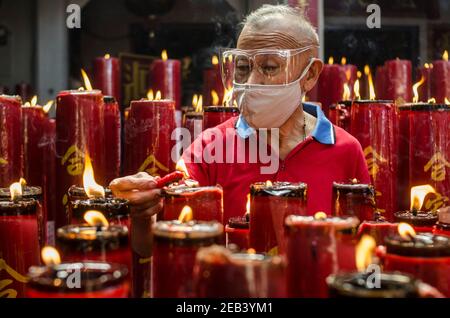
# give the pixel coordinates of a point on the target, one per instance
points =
(139, 197)
(133, 183)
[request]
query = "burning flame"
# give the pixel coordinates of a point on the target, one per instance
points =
(447, 101)
(158, 95)
(194, 100)
(87, 82)
(426, 65)
(343, 60)
(91, 187)
(34, 100)
(227, 96)
(23, 182)
(181, 166)
(48, 106)
(50, 256)
(356, 89)
(368, 73)
(269, 183)
(406, 231)
(215, 98)
(164, 56)
(215, 60)
(330, 60)
(432, 100)
(95, 218)
(359, 74)
(199, 106)
(320, 216)
(107, 56)
(364, 251)
(186, 214)
(445, 56)
(415, 89)
(150, 95)
(247, 206)
(16, 190)
(347, 93)
(418, 195)
(251, 251)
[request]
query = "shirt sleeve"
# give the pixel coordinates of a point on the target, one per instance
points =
(195, 166)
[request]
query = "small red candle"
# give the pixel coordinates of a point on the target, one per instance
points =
(19, 244)
(379, 229)
(11, 136)
(316, 248)
(354, 199)
(79, 130)
(215, 115)
(374, 124)
(213, 90)
(339, 114)
(193, 121)
(270, 204)
(174, 251)
(398, 85)
(165, 76)
(205, 202)
(97, 280)
(238, 233)
(112, 139)
(331, 85)
(440, 79)
(107, 76)
(424, 255)
(219, 273)
(148, 133)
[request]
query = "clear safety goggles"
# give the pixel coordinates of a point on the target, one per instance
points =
(270, 66)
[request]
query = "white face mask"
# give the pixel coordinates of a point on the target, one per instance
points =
(269, 106)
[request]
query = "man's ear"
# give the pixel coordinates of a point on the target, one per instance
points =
(313, 75)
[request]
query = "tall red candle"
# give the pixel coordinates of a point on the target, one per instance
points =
(315, 249)
(354, 199)
(107, 76)
(148, 132)
(381, 82)
(215, 115)
(193, 121)
(212, 81)
(331, 85)
(398, 85)
(10, 140)
(374, 124)
(237, 232)
(440, 80)
(219, 273)
(270, 204)
(79, 130)
(19, 244)
(174, 251)
(112, 139)
(165, 76)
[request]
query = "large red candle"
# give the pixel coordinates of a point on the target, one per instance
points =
(270, 204)
(215, 115)
(165, 76)
(19, 244)
(174, 251)
(331, 85)
(237, 232)
(148, 132)
(79, 130)
(354, 199)
(193, 121)
(212, 82)
(317, 248)
(107, 76)
(374, 124)
(398, 85)
(97, 280)
(440, 80)
(206, 203)
(219, 273)
(10, 140)
(112, 139)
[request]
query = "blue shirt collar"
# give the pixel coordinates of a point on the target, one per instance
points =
(323, 132)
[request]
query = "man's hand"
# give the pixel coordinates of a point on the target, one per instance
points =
(140, 189)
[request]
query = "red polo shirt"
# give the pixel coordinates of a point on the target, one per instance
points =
(328, 154)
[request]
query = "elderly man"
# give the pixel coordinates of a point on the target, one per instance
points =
(274, 65)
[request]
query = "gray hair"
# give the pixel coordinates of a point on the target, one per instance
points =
(267, 12)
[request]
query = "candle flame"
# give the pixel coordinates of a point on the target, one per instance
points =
(16, 190)
(87, 82)
(251, 251)
(107, 56)
(34, 100)
(364, 252)
(91, 187)
(416, 87)
(320, 216)
(368, 73)
(150, 95)
(215, 98)
(356, 89)
(227, 96)
(343, 60)
(186, 214)
(432, 100)
(199, 106)
(164, 55)
(269, 183)
(27, 104)
(330, 60)
(181, 166)
(445, 56)
(158, 95)
(359, 74)
(346, 95)
(247, 206)
(406, 231)
(95, 218)
(48, 106)
(418, 195)
(426, 65)
(194, 100)
(23, 182)
(50, 256)
(447, 101)
(215, 60)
